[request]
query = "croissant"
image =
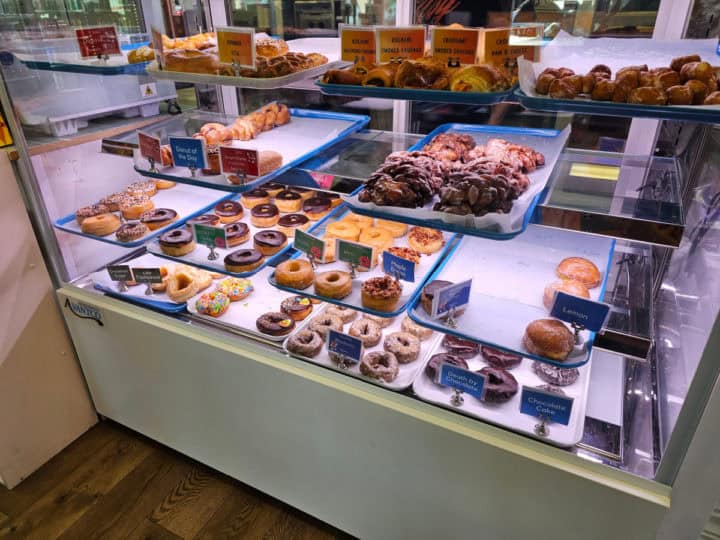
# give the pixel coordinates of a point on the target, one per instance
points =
(478, 78)
(341, 76)
(429, 75)
(382, 75)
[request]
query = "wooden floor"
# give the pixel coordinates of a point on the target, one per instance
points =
(114, 484)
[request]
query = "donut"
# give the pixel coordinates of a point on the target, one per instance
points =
(205, 219)
(499, 386)
(334, 198)
(555, 375)
(127, 232)
(162, 286)
(228, 211)
(288, 201)
(89, 211)
(432, 369)
(264, 215)
(395, 228)
(463, 348)
(182, 285)
(297, 307)
(549, 338)
(346, 314)
(429, 291)
(569, 286)
(552, 389)
(366, 331)
(329, 255)
(362, 222)
(237, 233)
(289, 223)
(425, 240)
(333, 284)
(294, 273)
(322, 324)
(409, 254)
(377, 238)
(275, 324)
(269, 242)
(305, 193)
(273, 188)
(500, 359)
(213, 303)
(100, 225)
(343, 230)
(254, 197)
(316, 208)
(305, 343)
(404, 346)
(135, 205)
(158, 218)
(161, 183)
(243, 260)
(177, 242)
(384, 322)
(411, 327)
(147, 188)
(381, 293)
(579, 269)
(113, 201)
(235, 288)
(381, 365)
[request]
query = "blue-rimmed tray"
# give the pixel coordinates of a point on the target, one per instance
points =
(72, 62)
(187, 201)
(306, 135)
(494, 225)
(509, 279)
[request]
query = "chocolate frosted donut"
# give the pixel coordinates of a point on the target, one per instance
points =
(555, 375)
(316, 205)
(257, 193)
(428, 292)
(90, 211)
(176, 237)
(228, 208)
(236, 230)
(243, 257)
(300, 190)
(130, 231)
(270, 238)
(293, 220)
(275, 324)
(464, 348)
(206, 219)
(264, 210)
(288, 195)
(500, 359)
(500, 385)
(432, 369)
(272, 186)
(158, 215)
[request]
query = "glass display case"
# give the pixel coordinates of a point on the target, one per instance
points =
(262, 267)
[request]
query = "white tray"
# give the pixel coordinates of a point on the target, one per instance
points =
(508, 283)
(407, 373)
(508, 414)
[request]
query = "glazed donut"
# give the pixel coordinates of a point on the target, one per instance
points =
(213, 303)
(322, 324)
(127, 232)
(305, 343)
(569, 286)
(275, 324)
(264, 215)
(237, 233)
(381, 293)
(295, 273)
(90, 211)
(432, 369)
(462, 348)
(243, 260)
(296, 307)
(555, 375)
(235, 288)
(362, 222)
(343, 230)
(499, 386)
(100, 225)
(380, 365)
(384, 322)
(549, 338)
(411, 327)
(377, 238)
(269, 242)
(228, 211)
(500, 359)
(288, 201)
(424, 240)
(177, 242)
(346, 314)
(158, 218)
(366, 331)
(395, 228)
(579, 269)
(333, 284)
(404, 346)
(290, 223)
(181, 286)
(135, 205)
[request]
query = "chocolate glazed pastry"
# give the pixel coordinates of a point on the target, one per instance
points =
(228, 209)
(288, 195)
(176, 237)
(275, 324)
(264, 210)
(158, 215)
(293, 220)
(235, 232)
(272, 239)
(432, 369)
(463, 348)
(243, 257)
(500, 385)
(205, 219)
(316, 205)
(500, 359)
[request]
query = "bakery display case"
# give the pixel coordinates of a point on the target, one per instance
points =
(433, 295)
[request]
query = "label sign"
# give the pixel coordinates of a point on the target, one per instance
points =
(582, 311)
(188, 152)
(210, 236)
(398, 267)
(455, 296)
(147, 275)
(455, 43)
(462, 379)
(309, 244)
(150, 147)
(354, 253)
(357, 44)
(157, 45)
(97, 41)
(120, 272)
(84, 311)
(547, 405)
(236, 46)
(348, 347)
(239, 160)
(399, 42)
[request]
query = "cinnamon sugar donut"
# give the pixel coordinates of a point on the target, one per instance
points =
(404, 346)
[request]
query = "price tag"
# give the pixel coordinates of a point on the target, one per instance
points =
(157, 45)
(150, 147)
(399, 42)
(239, 160)
(236, 46)
(188, 152)
(398, 267)
(357, 44)
(354, 253)
(97, 41)
(452, 297)
(210, 236)
(457, 44)
(580, 311)
(348, 347)
(147, 275)
(462, 380)
(310, 245)
(549, 406)
(120, 272)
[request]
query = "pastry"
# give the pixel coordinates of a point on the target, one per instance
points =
(334, 198)
(182, 285)
(167, 159)
(264, 215)
(141, 54)
(158, 218)
(422, 74)
(111, 201)
(275, 324)
(409, 254)
(500, 359)
(424, 240)
(680, 95)
(569, 286)
(543, 82)
(555, 375)
(463, 348)
(254, 197)
(177, 242)
(289, 223)
(395, 228)
(429, 291)
(322, 324)
(269, 242)
(381, 75)
(213, 159)
(329, 255)
(677, 63)
(213, 303)
(270, 47)
(273, 188)
(603, 90)
(305, 193)
(305, 343)
(165, 275)
(646, 95)
(367, 331)
(205, 219)
(161, 183)
(127, 232)
(549, 338)
(296, 307)
(288, 201)
(243, 260)
(360, 221)
(702, 71)
(500, 386)
(432, 369)
(381, 293)
(341, 76)
(405, 347)
(236, 289)
(411, 327)
(316, 208)
(562, 89)
(237, 233)
(381, 365)
(346, 314)
(478, 78)
(579, 269)
(228, 211)
(268, 161)
(380, 239)
(191, 61)
(135, 205)
(90, 211)
(100, 225)
(147, 187)
(448, 147)
(344, 230)
(712, 99)
(333, 284)
(294, 273)
(699, 91)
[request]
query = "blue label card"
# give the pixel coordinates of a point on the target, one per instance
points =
(398, 267)
(347, 346)
(582, 311)
(188, 152)
(462, 379)
(547, 405)
(455, 296)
